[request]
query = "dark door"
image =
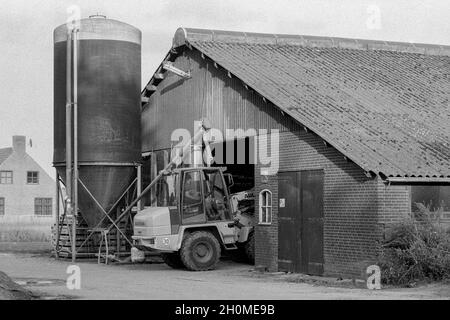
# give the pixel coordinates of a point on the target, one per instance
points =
(289, 241)
(300, 230)
(312, 221)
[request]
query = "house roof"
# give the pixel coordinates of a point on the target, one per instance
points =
(4, 154)
(384, 105)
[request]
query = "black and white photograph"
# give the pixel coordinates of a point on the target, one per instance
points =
(223, 157)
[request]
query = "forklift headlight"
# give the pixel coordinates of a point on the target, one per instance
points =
(166, 241)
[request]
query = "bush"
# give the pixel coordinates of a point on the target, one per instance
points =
(416, 249)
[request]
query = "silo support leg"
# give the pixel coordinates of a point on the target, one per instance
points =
(107, 214)
(103, 210)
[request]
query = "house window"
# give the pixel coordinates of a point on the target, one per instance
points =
(32, 177)
(43, 206)
(6, 177)
(265, 207)
(2, 206)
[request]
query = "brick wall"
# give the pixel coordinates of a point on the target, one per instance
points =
(352, 224)
(266, 236)
(395, 202)
(356, 208)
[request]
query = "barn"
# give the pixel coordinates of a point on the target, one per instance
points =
(343, 136)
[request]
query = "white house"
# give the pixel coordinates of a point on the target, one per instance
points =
(27, 200)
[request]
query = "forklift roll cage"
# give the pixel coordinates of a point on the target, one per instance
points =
(181, 175)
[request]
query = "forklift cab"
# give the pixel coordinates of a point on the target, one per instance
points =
(204, 196)
(201, 195)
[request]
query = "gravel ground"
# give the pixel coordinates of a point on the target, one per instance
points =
(10, 290)
(47, 277)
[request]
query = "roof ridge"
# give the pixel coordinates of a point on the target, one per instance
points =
(184, 35)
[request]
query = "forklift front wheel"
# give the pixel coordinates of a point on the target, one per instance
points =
(200, 251)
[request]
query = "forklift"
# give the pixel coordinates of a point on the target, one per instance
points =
(195, 216)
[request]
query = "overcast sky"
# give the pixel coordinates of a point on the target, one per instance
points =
(26, 30)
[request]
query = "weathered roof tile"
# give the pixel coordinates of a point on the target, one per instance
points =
(384, 105)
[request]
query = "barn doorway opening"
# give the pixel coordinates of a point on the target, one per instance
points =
(239, 157)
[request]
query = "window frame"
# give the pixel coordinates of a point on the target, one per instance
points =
(215, 185)
(43, 206)
(2, 206)
(37, 177)
(426, 195)
(268, 205)
(201, 203)
(6, 177)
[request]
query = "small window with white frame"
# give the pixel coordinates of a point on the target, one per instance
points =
(6, 177)
(43, 207)
(265, 207)
(33, 177)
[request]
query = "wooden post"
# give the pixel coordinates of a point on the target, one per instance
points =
(139, 186)
(153, 174)
(118, 241)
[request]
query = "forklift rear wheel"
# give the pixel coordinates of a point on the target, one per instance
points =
(200, 251)
(173, 260)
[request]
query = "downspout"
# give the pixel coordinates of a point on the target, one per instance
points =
(75, 139)
(69, 122)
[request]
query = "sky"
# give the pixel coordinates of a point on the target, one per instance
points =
(26, 40)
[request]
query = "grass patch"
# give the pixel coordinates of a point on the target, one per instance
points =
(20, 235)
(25, 231)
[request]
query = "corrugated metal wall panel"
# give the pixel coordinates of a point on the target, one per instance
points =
(210, 93)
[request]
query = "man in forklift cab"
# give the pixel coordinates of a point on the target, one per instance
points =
(215, 201)
(192, 188)
(214, 196)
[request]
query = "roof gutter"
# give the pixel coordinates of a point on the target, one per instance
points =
(418, 180)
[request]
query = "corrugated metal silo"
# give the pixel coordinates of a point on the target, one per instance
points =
(109, 84)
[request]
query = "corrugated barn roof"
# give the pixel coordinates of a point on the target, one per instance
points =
(384, 105)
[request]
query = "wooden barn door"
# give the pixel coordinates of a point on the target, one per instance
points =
(312, 221)
(289, 242)
(300, 214)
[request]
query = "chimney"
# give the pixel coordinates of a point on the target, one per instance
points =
(19, 144)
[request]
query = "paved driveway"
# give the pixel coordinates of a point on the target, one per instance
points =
(231, 280)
